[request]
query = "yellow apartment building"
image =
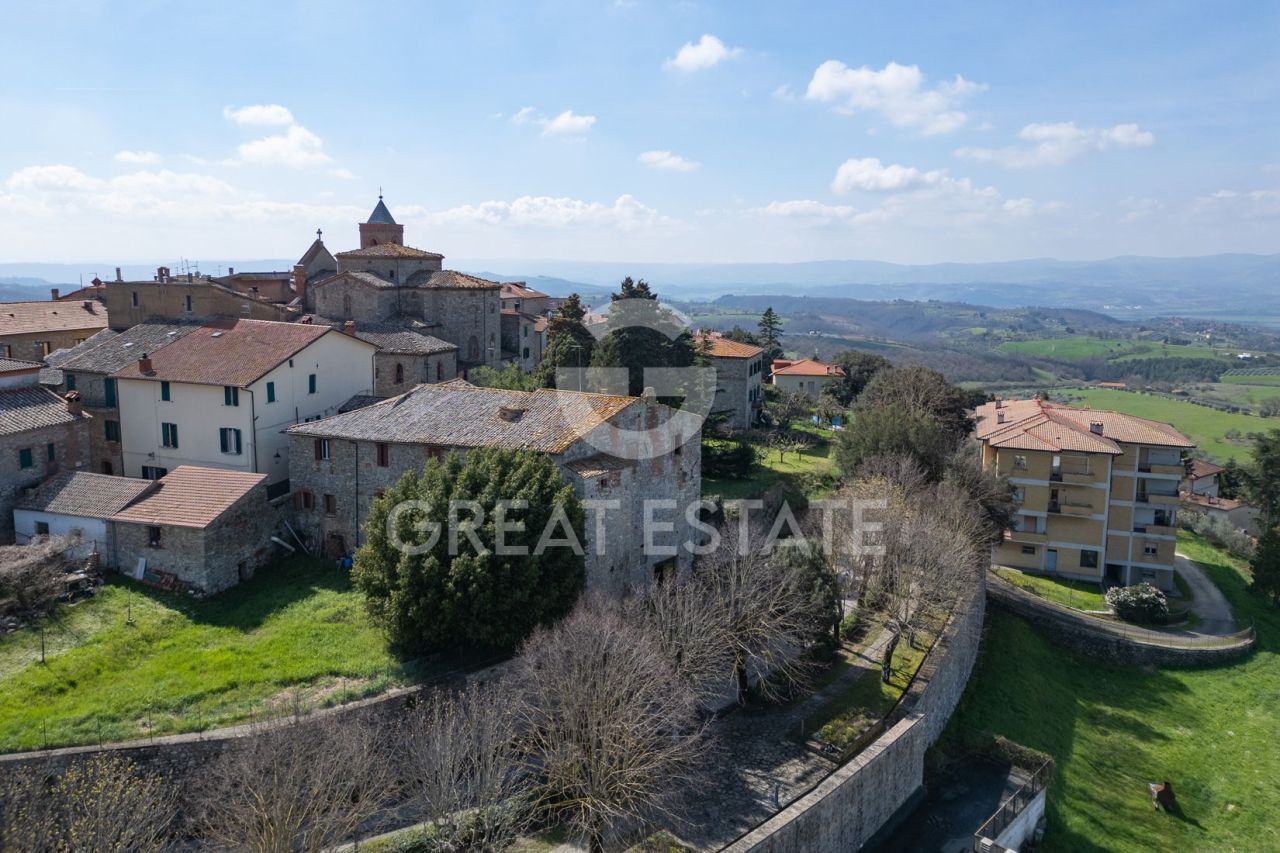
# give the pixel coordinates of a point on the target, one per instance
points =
(1096, 491)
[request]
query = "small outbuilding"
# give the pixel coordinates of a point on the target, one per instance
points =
(75, 503)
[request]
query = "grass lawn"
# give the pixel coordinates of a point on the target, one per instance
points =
(795, 469)
(1077, 594)
(1082, 347)
(1211, 732)
(187, 664)
(1271, 380)
(1206, 427)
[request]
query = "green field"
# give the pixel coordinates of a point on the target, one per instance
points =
(1211, 732)
(1270, 380)
(802, 472)
(1206, 427)
(1082, 347)
(1064, 591)
(296, 631)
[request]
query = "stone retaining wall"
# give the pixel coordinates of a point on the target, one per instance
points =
(1084, 634)
(858, 799)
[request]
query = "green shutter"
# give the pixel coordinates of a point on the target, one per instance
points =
(52, 451)
(109, 388)
(24, 458)
(71, 382)
(311, 383)
(271, 392)
(164, 391)
(238, 448)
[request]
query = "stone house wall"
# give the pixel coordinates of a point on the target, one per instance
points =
(738, 389)
(33, 346)
(70, 450)
(436, 367)
(168, 301)
(104, 456)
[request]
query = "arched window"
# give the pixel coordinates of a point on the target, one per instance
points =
(439, 370)
(473, 349)
(346, 305)
(399, 373)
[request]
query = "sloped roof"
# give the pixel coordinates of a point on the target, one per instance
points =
(806, 367)
(458, 414)
(31, 407)
(520, 290)
(317, 249)
(1200, 469)
(1040, 425)
(108, 351)
(454, 280)
(401, 339)
(228, 352)
(718, 346)
(25, 318)
(85, 494)
(389, 250)
(13, 365)
(189, 496)
(380, 215)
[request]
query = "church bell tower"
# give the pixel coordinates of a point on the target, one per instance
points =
(381, 228)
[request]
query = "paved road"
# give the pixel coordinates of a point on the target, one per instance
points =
(1209, 604)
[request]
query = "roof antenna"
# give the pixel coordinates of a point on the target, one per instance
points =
(379, 192)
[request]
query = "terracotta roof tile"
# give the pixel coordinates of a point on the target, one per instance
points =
(26, 318)
(85, 494)
(1040, 425)
(718, 346)
(32, 407)
(189, 496)
(389, 250)
(13, 365)
(806, 367)
(1200, 468)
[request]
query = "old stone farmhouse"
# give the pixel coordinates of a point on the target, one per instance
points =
(739, 378)
(339, 465)
(29, 331)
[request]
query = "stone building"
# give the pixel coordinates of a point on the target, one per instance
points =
(222, 395)
(524, 338)
(406, 356)
(187, 298)
(739, 378)
(387, 282)
(208, 528)
(41, 434)
(339, 465)
(77, 504)
(808, 376)
(29, 331)
(90, 369)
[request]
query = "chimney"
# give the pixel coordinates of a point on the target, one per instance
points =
(75, 406)
(299, 280)
(510, 413)
(87, 305)
(54, 291)
(1095, 427)
(349, 328)
(231, 270)
(999, 402)
(999, 417)
(144, 363)
(162, 274)
(118, 276)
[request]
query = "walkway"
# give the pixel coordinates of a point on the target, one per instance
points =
(1208, 602)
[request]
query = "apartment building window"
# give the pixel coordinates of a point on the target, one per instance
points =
(229, 439)
(46, 347)
(109, 392)
(1029, 550)
(71, 382)
(311, 383)
(25, 458)
(111, 430)
(1150, 550)
(169, 435)
(106, 467)
(322, 449)
(51, 452)
(6, 350)
(439, 371)
(230, 395)
(271, 392)
(165, 392)
(153, 537)
(384, 455)
(330, 505)
(1088, 559)
(1020, 462)
(1019, 495)
(153, 472)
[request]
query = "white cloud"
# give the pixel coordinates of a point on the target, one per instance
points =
(668, 162)
(567, 123)
(137, 158)
(1056, 143)
(296, 147)
(707, 52)
(897, 92)
(784, 93)
(343, 174)
(807, 209)
(870, 175)
(1240, 205)
(1137, 209)
(626, 213)
(258, 114)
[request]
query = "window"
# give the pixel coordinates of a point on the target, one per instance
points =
(186, 303)
(271, 392)
(71, 382)
(1020, 462)
(1088, 559)
(526, 353)
(133, 298)
(112, 430)
(322, 448)
(1150, 550)
(153, 472)
(229, 440)
(25, 459)
(230, 395)
(439, 371)
(1019, 495)
(109, 390)
(384, 455)
(169, 435)
(311, 383)
(153, 536)
(42, 528)
(399, 373)
(526, 331)
(51, 452)
(330, 505)
(308, 500)
(106, 467)
(1029, 550)
(165, 392)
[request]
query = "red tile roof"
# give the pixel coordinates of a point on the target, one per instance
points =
(520, 290)
(1041, 425)
(1200, 469)
(189, 496)
(26, 318)
(718, 346)
(805, 367)
(229, 352)
(389, 250)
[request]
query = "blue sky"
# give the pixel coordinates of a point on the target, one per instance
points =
(641, 130)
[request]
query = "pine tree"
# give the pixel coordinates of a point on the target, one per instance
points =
(770, 338)
(642, 335)
(569, 343)
(1266, 566)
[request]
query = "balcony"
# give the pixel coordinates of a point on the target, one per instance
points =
(1154, 529)
(1155, 468)
(1028, 537)
(1160, 499)
(1077, 477)
(1077, 509)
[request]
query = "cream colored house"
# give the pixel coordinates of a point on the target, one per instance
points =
(223, 395)
(807, 376)
(1097, 491)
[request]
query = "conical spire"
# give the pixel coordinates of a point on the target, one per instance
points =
(380, 215)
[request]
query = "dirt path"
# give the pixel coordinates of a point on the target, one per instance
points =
(1209, 603)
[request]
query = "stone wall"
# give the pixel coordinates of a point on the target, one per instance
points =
(417, 368)
(31, 346)
(1090, 636)
(167, 300)
(853, 803)
(70, 452)
(738, 384)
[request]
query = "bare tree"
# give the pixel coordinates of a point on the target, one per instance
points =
(102, 803)
(301, 787)
(31, 576)
(611, 731)
(689, 625)
(460, 767)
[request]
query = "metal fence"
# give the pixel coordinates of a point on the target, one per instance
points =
(1011, 808)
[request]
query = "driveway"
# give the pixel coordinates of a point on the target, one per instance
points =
(1209, 604)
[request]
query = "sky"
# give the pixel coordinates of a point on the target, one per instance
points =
(641, 130)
